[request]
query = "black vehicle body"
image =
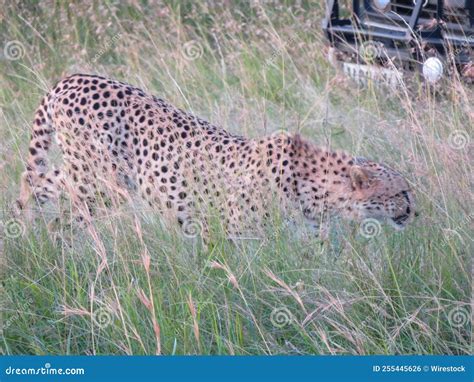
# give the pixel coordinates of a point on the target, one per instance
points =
(410, 31)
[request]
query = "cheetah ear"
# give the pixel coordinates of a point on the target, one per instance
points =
(359, 177)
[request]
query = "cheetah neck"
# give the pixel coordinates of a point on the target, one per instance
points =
(321, 179)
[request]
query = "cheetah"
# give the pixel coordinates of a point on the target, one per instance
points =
(115, 136)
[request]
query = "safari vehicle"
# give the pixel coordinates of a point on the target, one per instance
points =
(384, 39)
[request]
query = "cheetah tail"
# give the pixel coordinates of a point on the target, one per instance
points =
(40, 142)
(40, 139)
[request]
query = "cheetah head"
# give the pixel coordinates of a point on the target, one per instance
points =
(357, 188)
(381, 193)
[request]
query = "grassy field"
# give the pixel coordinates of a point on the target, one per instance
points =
(132, 285)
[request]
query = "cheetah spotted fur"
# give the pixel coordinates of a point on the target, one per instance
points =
(115, 136)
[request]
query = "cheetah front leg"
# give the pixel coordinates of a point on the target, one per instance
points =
(41, 187)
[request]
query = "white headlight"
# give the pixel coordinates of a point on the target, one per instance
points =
(433, 69)
(381, 5)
